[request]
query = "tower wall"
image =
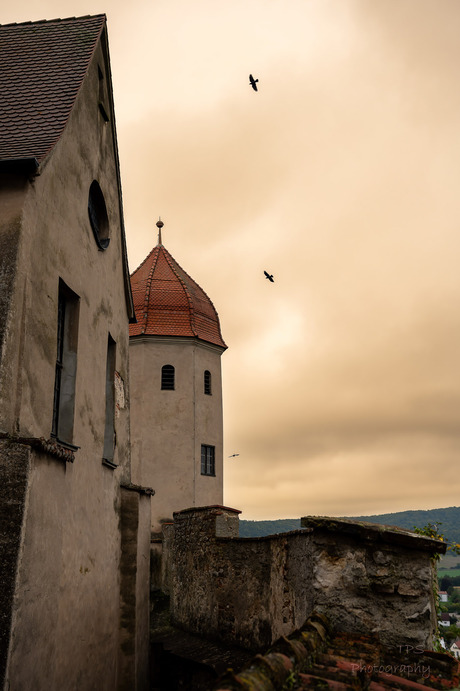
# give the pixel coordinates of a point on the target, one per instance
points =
(169, 427)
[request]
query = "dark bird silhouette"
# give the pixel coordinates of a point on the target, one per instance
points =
(269, 276)
(252, 82)
(234, 455)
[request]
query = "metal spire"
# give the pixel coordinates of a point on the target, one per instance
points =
(160, 225)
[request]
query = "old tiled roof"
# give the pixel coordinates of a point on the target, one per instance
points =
(168, 302)
(316, 658)
(43, 65)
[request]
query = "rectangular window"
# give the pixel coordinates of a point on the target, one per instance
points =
(66, 365)
(109, 431)
(208, 466)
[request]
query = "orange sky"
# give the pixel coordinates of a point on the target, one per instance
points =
(341, 177)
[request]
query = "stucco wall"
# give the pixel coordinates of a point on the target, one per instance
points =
(168, 427)
(66, 618)
(14, 472)
(252, 591)
(13, 189)
(134, 598)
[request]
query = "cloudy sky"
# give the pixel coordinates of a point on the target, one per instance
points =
(341, 176)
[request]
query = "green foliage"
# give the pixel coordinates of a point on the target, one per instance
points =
(291, 682)
(261, 528)
(450, 634)
(431, 530)
(447, 582)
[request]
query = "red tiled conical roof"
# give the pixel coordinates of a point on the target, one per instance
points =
(168, 302)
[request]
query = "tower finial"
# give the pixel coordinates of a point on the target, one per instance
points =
(160, 225)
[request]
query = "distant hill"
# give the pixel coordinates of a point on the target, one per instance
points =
(448, 521)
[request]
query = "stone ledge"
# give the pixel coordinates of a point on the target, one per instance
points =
(52, 447)
(212, 508)
(138, 488)
(374, 532)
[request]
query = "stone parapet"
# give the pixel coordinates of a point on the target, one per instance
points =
(251, 591)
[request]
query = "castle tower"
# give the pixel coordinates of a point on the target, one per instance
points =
(176, 388)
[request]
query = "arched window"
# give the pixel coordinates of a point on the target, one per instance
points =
(97, 213)
(207, 382)
(167, 378)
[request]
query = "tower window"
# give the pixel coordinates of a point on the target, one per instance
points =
(207, 382)
(208, 464)
(66, 365)
(167, 378)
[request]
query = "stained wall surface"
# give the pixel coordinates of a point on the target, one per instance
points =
(64, 621)
(168, 427)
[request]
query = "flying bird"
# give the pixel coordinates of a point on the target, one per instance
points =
(269, 276)
(252, 82)
(234, 455)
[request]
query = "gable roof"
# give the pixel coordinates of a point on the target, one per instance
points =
(43, 66)
(168, 302)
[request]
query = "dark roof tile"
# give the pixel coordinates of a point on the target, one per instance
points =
(43, 65)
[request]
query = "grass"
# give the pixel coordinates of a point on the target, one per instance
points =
(449, 565)
(449, 561)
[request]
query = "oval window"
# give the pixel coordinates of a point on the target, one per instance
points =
(97, 212)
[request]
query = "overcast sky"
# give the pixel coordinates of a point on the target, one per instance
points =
(341, 176)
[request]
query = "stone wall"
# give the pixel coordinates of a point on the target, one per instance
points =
(244, 591)
(250, 591)
(373, 578)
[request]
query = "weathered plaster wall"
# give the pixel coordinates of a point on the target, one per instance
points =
(13, 189)
(386, 577)
(134, 598)
(252, 591)
(66, 619)
(168, 427)
(14, 472)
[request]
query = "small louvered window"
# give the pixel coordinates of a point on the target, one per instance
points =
(207, 382)
(208, 464)
(167, 377)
